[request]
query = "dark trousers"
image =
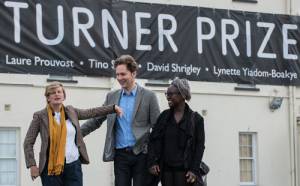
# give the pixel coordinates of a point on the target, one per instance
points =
(71, 176)
(174, 178)
(131, 169)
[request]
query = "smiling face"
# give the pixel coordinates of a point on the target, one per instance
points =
(125, 77)
(56, 96)
(174, 97)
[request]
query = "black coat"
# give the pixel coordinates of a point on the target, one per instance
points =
(194, 140)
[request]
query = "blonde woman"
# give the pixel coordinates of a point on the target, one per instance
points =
(62, 147)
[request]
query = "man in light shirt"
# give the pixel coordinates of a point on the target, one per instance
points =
(127, 136)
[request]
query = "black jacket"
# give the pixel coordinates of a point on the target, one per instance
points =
(194, 135)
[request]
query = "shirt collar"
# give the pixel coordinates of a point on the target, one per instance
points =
(132, 92)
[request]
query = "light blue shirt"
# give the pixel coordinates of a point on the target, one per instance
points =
(124, 134)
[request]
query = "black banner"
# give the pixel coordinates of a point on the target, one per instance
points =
(82, 37)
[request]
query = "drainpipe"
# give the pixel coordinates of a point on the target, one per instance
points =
(293, 120)
(293, 135)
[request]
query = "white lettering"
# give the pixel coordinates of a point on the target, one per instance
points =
(17, 61)
(287, 41)
(39, 26)
(107, 18)
(38, 61)
(187, 69)
(16, 6)
(201, 36)
(226, 71)
(263, 45)
(158, 68)
(83, 27)
(94, 63)
(229, 37)
(167, 33)
(140, 30)
(248, 39)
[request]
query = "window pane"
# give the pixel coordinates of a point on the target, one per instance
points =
(246, 171)
(8, 178)
(246, 165)
(7, 165)
(8, 155)
(246, 152)
(246, 139)
(7, 136)
(8, 174)
(7, 150)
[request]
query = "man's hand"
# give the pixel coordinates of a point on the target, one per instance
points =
(34, 172)
(155, 170)
(118, 110)
(190, 177)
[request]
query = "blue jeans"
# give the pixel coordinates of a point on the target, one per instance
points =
(71, 176)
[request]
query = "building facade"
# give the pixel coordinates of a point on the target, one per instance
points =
(252, 132)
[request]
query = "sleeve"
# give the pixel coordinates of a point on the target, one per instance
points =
(199, 142)
(94, 112)
(155, 143)
(30, 139)
(94, 123)
(154, 109)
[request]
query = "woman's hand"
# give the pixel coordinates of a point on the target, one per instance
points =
(155, 170)
(190, 177)
(118, 110)
(34, 172)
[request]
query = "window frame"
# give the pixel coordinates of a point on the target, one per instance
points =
(17, 148)
(253, 158)
(246, 1)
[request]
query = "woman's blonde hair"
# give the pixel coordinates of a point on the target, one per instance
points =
(52, 86)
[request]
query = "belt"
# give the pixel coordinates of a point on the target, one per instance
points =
(126, 149)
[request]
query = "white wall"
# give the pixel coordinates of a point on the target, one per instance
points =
(231, 112)
(228, 112)
(25, 94)
(295, 7)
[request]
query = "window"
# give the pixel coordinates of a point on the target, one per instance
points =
(63, 79)
(8, 157)
(157, 83)
(247, 153)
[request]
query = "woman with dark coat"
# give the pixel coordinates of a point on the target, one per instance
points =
(176, 143)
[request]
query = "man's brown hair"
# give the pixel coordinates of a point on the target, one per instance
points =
(128, 61)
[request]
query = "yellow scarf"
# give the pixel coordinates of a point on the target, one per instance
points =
(58, 134)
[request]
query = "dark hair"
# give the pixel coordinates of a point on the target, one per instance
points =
(127, 60)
